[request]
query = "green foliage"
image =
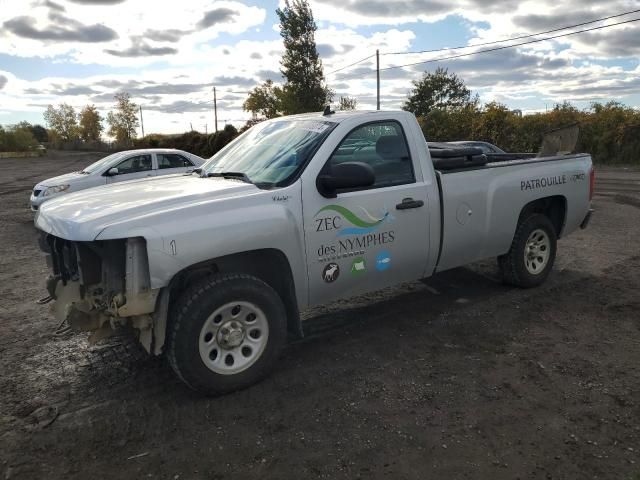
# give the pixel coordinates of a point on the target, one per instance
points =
(439, 90)
(347, 103)
(124, 121)
(62, 123)
(17, 138)
(90, 124)
(609, 132)
(40, 133)
(304, 89)
(194, 142)
(264, 100)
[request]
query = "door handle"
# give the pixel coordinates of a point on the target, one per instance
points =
(408, 203)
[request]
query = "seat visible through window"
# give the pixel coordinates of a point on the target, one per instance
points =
(172, 160)
(139, 163)
(383, 147)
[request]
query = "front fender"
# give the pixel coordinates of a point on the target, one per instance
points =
(182, 238)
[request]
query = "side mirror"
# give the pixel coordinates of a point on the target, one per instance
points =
(345, 175)
(112, 172)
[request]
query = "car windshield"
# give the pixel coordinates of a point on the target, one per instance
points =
(95, 166)
(270, 153)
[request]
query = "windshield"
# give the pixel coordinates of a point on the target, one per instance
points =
(272, 152)
(95, 166)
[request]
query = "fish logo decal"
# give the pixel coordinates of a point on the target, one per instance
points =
(360, 226)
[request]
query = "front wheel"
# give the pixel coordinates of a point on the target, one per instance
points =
(226, 333)
(532, 254)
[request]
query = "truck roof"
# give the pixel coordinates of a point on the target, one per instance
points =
(338, 116)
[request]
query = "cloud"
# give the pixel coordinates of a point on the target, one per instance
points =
(537, 22)
(75, 90)
(139, 48)
(274, 75)
(326, 50)
(3, 81)
(169, 88)
(97, 2)
(182, 106)
(122, 34)
(24, 27)
(215, 16)
(54, 6)
(234, 81)
(171, 35)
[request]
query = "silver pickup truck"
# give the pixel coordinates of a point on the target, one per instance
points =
(213, 268)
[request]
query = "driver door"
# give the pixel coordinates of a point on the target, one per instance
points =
(133, 167)
(371, 238)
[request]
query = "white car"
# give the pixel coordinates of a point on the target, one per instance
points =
(119, 167)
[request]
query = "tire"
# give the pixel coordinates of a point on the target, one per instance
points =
(225, 333)
(532, 253)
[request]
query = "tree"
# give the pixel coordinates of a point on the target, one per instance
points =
(347, 103)
(264, 100)
(62, 122)
(90, 124)
(305, 89)
(40, 133)
(124, 121)
(438, 90)
(17, 138)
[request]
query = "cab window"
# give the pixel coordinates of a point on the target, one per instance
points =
(138, 163)
(172, 160)
(383, 146)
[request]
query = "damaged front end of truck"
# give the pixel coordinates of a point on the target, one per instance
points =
(101, 286)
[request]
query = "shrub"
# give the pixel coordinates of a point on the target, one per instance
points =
(16, 139)
(609, 132)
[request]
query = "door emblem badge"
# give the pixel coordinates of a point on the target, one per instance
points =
(383, 261)
(331, 272)
(358, 266)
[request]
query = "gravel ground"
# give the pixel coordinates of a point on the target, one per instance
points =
(458, 377)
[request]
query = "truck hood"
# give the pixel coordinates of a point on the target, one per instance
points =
(81, 216)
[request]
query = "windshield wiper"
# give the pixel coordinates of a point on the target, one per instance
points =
(232, 175)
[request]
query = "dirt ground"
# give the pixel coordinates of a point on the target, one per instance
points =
(460, 377)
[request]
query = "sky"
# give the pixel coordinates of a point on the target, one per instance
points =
(169, 55)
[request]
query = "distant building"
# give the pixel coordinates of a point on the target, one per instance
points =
(517, 112)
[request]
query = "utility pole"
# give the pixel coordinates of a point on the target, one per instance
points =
(206, 130)
(191, 126)
(378, 76)
(141, 122)
(215, 108)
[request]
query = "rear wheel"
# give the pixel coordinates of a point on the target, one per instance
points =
(532, 253)
(226, 333)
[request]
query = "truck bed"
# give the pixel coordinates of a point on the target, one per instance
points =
(448, 159)
(481, 203)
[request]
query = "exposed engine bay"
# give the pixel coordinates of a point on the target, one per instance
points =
(100, 286)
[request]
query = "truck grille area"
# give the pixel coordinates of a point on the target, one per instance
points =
(63, 258)
(89, 263)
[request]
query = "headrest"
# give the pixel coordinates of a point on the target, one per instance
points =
(391, 147)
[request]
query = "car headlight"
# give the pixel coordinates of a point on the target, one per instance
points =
(53, 190)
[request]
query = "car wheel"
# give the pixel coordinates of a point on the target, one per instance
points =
(226, 333)
(532, 254)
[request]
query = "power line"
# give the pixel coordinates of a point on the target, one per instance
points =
(514, 45)
(514, 38)
(350, 65)
(506, 46)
